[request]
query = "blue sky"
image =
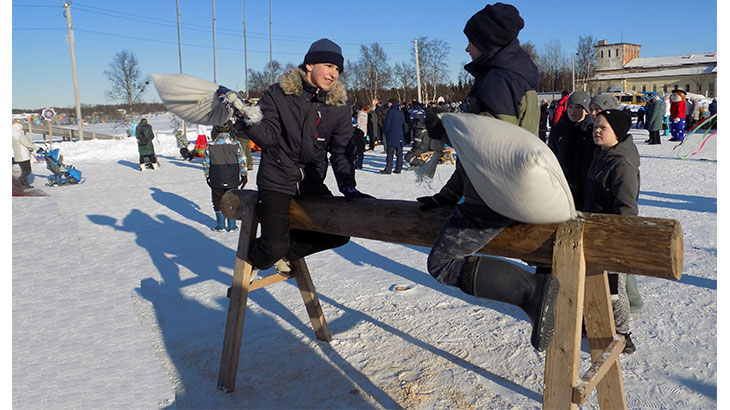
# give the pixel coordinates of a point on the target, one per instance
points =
(41, 63)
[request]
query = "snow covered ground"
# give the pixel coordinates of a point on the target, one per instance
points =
(119, 301)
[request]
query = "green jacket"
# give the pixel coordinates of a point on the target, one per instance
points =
(145, 136)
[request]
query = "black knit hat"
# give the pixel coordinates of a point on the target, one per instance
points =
(619, 121)
(325, 50)
(496, 25)
(579, 98)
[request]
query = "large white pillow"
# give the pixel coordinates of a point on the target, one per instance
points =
(512, 170)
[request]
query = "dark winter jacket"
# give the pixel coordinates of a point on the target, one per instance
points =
(144, 136)
(224, 163)
(654, 116)
(504, 87)
(301, 125)
(572, 143)
(393, 126)
(612, 186)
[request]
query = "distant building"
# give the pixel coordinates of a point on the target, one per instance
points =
(621, 69)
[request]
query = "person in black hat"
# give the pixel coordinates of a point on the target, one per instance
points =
(298, 123)
(612, 187)
(393, 130)
(505, 83)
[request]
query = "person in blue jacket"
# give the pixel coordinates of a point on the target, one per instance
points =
(393, 130)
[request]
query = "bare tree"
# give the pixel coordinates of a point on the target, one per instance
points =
(259, 81)
(374, 65)
(585, 59)
(531, 50)
(126, 78)
(432, 60)
(552, 65)
(405, 75)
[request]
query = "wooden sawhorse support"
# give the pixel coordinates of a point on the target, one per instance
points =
(580, 251)
(238, 297)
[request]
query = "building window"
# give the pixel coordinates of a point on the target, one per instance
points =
(609, 53)
(699, 87)
(665, 88)
(686, 87)
(617, 52)
(643, 87)
(653, 88)
(600, 90)
(601, 53)
(711, 86)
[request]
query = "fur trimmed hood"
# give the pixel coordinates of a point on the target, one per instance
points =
(291, 82)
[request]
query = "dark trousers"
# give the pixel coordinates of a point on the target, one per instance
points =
(215, 195)
(396, 150)
(654, 137)
(359, 158)
(277, 240)
(24, 172)
(152, 158)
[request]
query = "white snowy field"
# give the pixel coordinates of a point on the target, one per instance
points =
(119, 301)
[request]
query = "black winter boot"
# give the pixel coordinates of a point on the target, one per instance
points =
(506, 282)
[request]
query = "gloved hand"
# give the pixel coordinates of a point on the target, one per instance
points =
(432, 202)
(230, 98)
(350, 192)
(244, 181)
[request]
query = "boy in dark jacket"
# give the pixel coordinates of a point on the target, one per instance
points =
(571, 140)
(298, 122)
(504, 88)
(612, 187)
(224, 167)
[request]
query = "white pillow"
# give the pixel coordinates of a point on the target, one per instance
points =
(512, 170)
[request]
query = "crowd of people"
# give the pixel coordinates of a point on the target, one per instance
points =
(303, 123)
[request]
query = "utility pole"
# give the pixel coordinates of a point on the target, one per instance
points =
(67, 7)
(179, 52)
(418, 72)
(214, 41)
(271, 52)
(572, 64)
(245, 50)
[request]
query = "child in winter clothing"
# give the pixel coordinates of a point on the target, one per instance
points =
(677, 115)
(224, 166)
(144, 136)
(356, 146)
(504, 88)
(298, 122)
(608, 102)
(571, 139)
(612, 187)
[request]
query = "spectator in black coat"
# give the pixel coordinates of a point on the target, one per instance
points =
(571, 139)
(393, 128)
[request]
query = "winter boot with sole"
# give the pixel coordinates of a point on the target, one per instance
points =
(220, 222)
(500, 280)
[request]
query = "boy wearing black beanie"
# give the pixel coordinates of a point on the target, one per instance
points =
(612, 187)
(505, 80)
(299, 122)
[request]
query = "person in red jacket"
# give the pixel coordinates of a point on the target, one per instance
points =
(561, 106)
(677, 113)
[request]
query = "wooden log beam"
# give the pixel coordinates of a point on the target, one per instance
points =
(631, 244)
